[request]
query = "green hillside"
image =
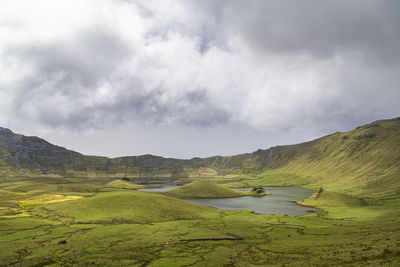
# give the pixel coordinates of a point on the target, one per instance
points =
(126, 207)
(363, 161)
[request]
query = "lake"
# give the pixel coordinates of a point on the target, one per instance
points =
(281, 201)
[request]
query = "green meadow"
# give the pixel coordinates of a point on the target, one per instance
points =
(108, 226)
(98, 219)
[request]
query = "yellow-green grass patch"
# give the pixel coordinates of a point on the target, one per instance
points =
(47, 199)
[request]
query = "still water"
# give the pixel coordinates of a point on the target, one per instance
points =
(282, 200)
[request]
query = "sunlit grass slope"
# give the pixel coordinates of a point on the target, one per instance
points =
(332, 199)
(127, 207)
(47, 199)
(199, 189)
(124, 184)
(365, 161)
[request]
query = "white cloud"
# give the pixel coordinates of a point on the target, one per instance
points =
(88, 64)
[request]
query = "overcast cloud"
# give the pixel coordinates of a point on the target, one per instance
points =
(274, 68)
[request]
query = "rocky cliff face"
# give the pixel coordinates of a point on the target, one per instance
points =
(21, 154)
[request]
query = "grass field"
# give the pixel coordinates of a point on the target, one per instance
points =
(110, 226)
(106, 222)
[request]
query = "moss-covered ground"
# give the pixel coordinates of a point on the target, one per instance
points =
(108, 226)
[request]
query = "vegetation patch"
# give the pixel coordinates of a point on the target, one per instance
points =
(257, 191)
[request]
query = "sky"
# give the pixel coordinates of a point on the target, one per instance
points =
(186, 78)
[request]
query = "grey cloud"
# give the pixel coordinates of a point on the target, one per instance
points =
(319, 28)
(65, 74)
(352, 47)
(69, 71)
(200, 111)
(194, 108)
(90, 56)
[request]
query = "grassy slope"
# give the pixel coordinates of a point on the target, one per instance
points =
(364, 162)
(200, 189)
(125, 185)
(127, 207)
(332, 199)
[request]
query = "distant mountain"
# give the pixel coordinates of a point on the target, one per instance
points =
(20, 154)
(364, 158)
(31, 156)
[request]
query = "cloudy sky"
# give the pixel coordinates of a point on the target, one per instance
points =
(184, 78)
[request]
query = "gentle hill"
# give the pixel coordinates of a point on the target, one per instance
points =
(199, 189)
(127, 207)
(124, 184)
(332, 199)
